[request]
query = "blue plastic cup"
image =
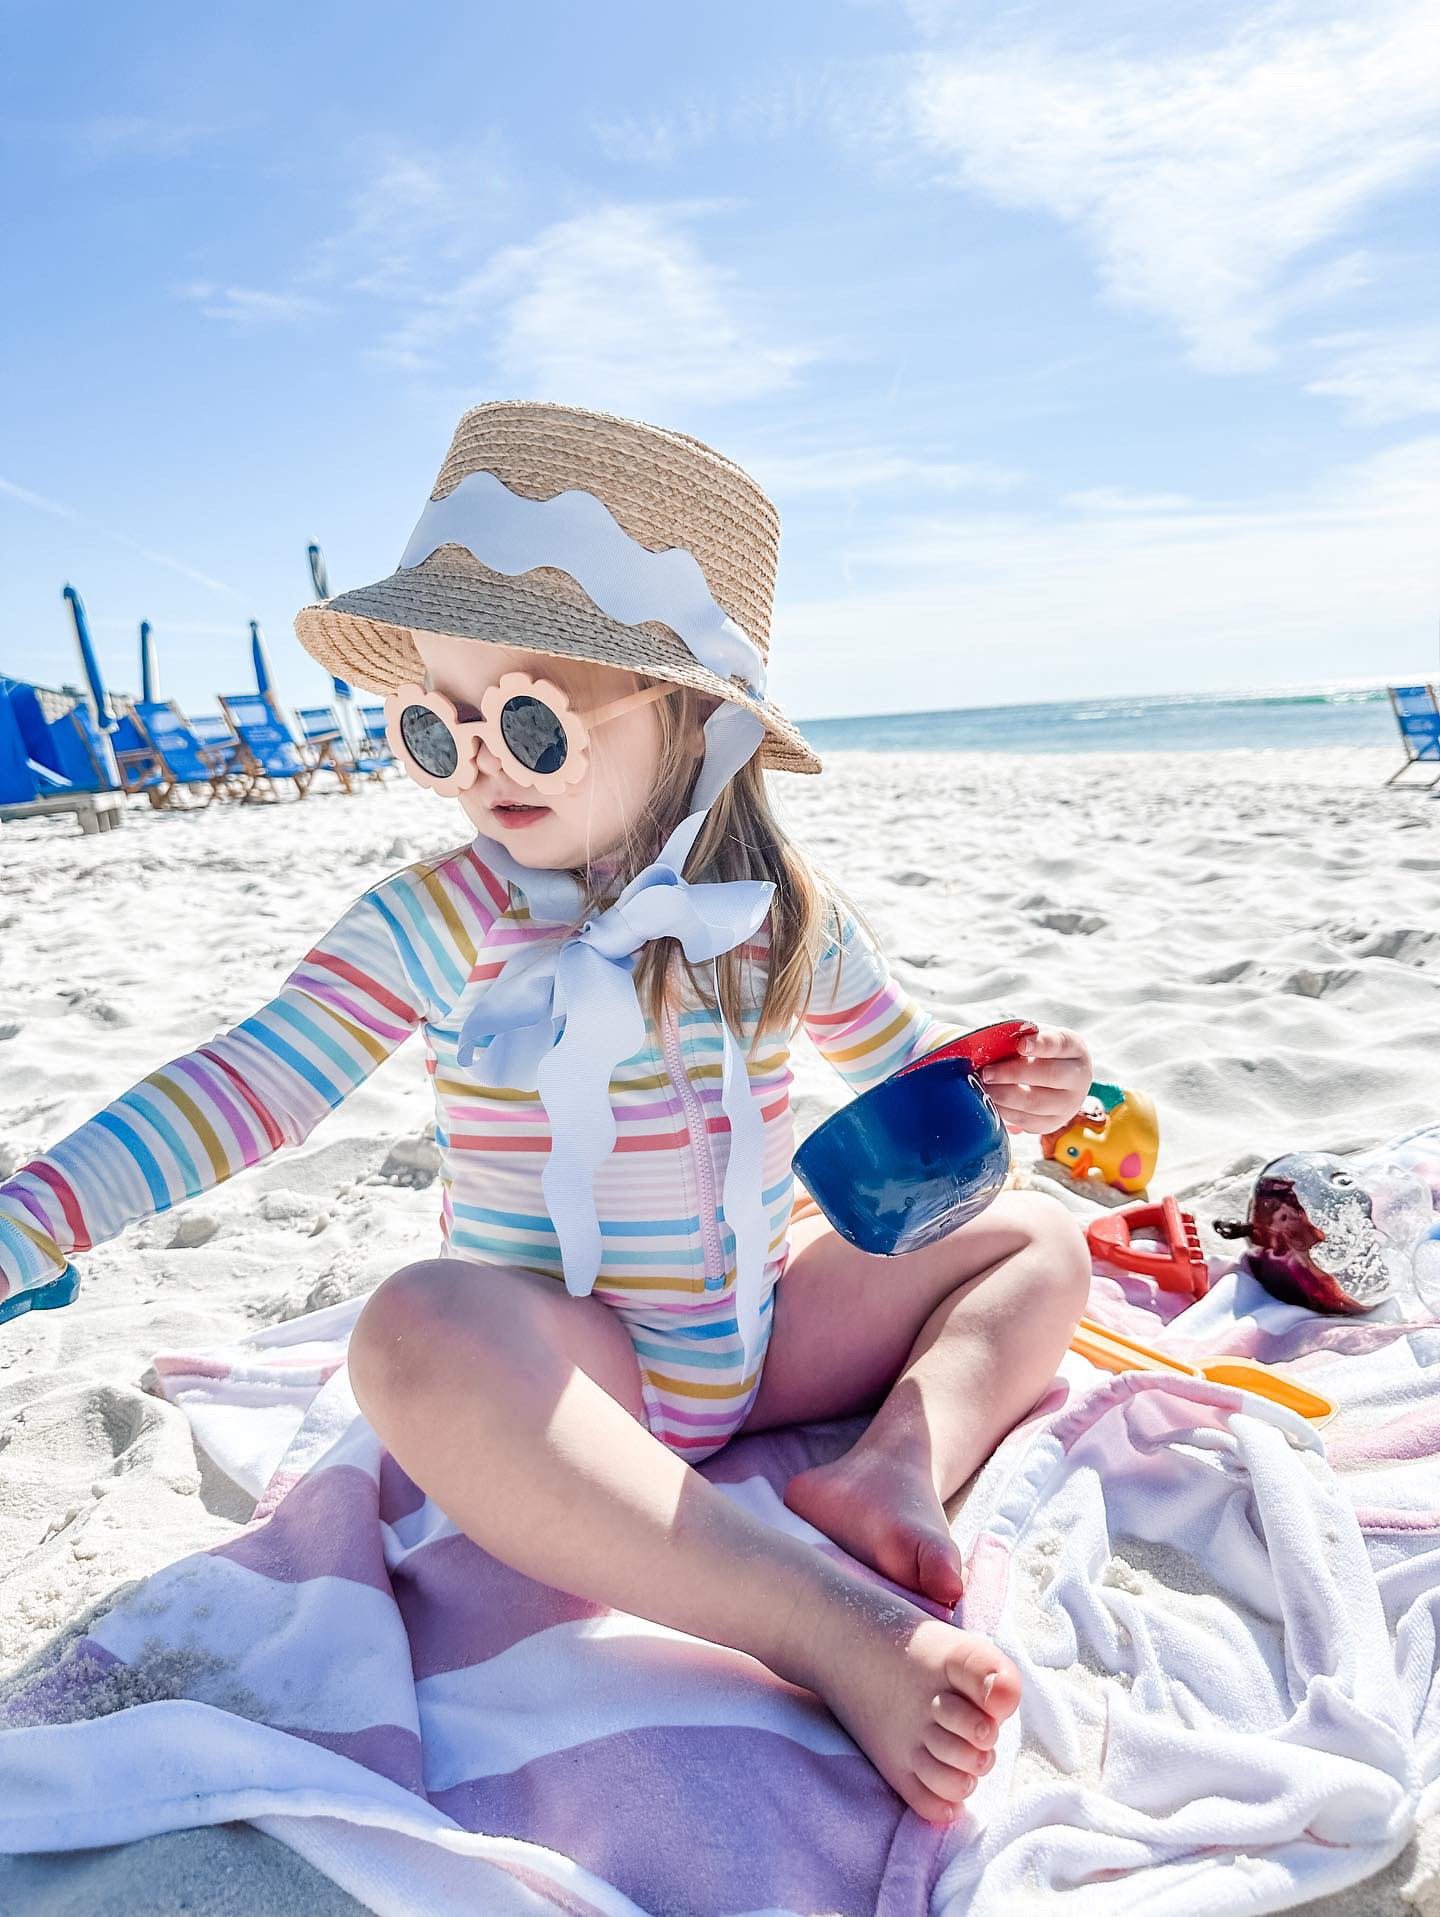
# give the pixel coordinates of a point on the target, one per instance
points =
(910, 1161)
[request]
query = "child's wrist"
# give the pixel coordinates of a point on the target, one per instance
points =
(28, 1258)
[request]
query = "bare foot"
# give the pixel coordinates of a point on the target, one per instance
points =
(924, 1701)
(886, 1515)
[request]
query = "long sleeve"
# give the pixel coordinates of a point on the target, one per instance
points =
(863, 1021)
(353, 999)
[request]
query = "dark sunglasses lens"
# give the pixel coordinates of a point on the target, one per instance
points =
(428, 741)
(534, 734)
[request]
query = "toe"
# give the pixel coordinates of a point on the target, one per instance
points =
(958, 1715)
(934, 1809)
(983, 1673)
(947, 1783)
(958, 1752)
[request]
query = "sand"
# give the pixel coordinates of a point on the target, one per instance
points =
(1253, 938)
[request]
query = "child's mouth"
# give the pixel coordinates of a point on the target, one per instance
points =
(513, 817)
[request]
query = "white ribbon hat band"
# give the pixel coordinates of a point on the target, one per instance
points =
(578, 534)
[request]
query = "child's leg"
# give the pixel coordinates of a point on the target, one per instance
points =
(516, 1408)
(959, 1340)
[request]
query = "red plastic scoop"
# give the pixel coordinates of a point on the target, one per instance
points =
(984, 1046)
(1175, 1262)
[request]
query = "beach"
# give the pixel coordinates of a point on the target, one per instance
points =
(1251, 937)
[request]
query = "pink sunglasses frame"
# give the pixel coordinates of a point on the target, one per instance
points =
(471, 734)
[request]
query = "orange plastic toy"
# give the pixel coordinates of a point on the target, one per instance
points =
(1176, 1263)
(1113, 1353)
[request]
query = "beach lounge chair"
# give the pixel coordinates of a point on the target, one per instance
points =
(324, 744)
(65, 747)
(372, 733)
(186, 763)
(1417, 713)
(267, 751)
(325, 740)
(53, 758)
(213, 731)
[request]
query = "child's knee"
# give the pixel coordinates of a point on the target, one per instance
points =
(396, 1331)
(1060, 1242)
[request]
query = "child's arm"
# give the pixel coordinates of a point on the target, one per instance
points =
(863, 1021)
(353, 999)
(868, 1027)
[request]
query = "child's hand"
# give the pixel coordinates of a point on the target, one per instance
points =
(1044, 1085)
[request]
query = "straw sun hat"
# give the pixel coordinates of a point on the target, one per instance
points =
(664, 489)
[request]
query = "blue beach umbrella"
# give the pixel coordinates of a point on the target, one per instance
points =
(99, 698)
(262, 660)
(320, 579)
(318, 575)
(149, 673)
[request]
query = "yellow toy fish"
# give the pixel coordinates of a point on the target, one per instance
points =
(1115, 1136)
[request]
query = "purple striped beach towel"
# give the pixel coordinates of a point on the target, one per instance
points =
(1228, 1645)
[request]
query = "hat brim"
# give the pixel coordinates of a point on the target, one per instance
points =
(364, 636)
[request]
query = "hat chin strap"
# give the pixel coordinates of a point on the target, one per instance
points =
(578, 534)
(564, 1021)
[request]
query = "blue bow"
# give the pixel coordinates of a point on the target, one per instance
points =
(564, 1022)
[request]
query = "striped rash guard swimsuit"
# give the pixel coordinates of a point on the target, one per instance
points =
(411, 954)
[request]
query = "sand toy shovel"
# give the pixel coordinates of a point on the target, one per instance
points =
(1113, 1353)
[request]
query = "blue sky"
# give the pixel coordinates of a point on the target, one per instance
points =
(1083, 349)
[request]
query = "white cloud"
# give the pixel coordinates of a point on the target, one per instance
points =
(415, 215)
(248, 305)
(1115, 499)
(37, 500)
(859, 469)
(657, 141)
(40, 503)
(1382, 375)
(414, 220)
(768, 104)
(172, 565)
(617, 309)
(1331, 582)
(1204, 181)
(109, 136)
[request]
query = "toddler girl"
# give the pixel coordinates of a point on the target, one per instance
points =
(608, 977)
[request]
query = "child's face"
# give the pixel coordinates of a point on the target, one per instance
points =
(553, 831)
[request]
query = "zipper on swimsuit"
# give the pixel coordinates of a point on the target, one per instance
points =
(700, 1144)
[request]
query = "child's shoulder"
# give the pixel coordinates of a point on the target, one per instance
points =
(451, 886)
(840, 928)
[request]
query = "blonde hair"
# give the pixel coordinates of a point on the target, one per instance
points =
(740, 839)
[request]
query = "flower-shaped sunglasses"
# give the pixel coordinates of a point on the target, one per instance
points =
(527, 724)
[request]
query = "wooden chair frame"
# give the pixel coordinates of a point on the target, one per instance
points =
(327, 751)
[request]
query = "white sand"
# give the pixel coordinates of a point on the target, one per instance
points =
(1254, 938)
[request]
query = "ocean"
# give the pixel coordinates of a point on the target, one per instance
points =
(1162, 722)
